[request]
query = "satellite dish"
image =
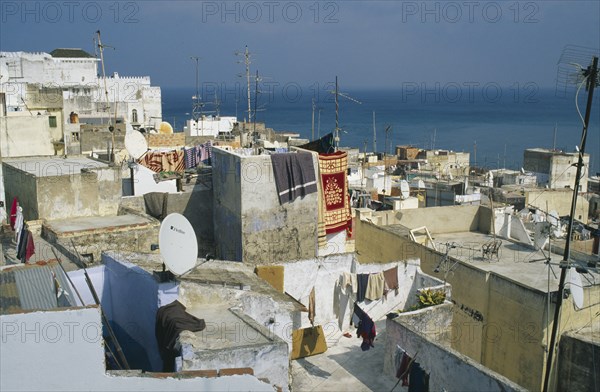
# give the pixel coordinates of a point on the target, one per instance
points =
(177, 243)
(136, 144)
(404, 189)
(165, 128)
(3, 73)
(576, 288)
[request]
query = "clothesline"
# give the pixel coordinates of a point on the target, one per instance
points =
(371, 286)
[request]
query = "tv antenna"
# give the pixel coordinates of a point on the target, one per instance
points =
(197, 105)
(107, 108)
(336, 138)
(246, 61)
(589, 77)
(374, 135)
(446, 265)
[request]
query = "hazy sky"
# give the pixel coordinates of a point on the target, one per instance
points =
(366, 43)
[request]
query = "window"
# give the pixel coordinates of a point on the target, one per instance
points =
(52, 121)
(134, 117)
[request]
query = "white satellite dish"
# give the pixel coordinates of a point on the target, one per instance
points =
(404, 189)
(177, 243)
(576, 288)
(136, 144)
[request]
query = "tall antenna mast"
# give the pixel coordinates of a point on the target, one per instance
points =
(196, 105)
(255, 107)
(591, 79)
(336, 139)
(111, 128)
(101, 48)
(313, 120)
(554, 141)
(374, 135)
(247, 62)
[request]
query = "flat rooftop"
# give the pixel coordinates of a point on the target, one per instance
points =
(516, 262)
(53, 166)
(97, 223)
(224, 329)
(213, 273)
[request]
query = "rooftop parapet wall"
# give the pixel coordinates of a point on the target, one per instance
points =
(423, 334)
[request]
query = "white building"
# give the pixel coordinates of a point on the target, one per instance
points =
(51, 87)
(45, 97)
(210, 126)
(555, 169)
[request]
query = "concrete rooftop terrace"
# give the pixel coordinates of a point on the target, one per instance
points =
(516, 262)
(220, 273)
(54, 165)
(97, 223)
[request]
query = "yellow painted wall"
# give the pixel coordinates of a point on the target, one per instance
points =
(511, 337)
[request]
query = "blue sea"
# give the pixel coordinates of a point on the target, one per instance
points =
(494, 124)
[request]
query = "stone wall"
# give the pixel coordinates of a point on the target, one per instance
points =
(250, 223)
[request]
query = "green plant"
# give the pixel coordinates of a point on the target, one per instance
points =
(428, 297)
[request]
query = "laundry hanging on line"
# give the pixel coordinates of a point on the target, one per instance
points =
(373, 286)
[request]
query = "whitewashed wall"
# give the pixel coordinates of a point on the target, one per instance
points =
(334, 306)
(63, 351)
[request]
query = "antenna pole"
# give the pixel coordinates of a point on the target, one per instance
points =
(319, 125)
(247, 62)
(554, 142)
(336, 139)
(101, 48)
(592, 74)
(313, 120)
(374, 135)
(255, 108)
(196, 103)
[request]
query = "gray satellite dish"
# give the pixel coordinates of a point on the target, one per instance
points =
(177, 243)
(135, 143)
(576, 288)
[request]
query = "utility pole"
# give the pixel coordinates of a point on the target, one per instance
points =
(591, 74)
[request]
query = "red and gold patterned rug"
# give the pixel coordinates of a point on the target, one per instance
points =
(334, 184)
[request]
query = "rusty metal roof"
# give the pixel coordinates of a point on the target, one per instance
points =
(32, 287)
